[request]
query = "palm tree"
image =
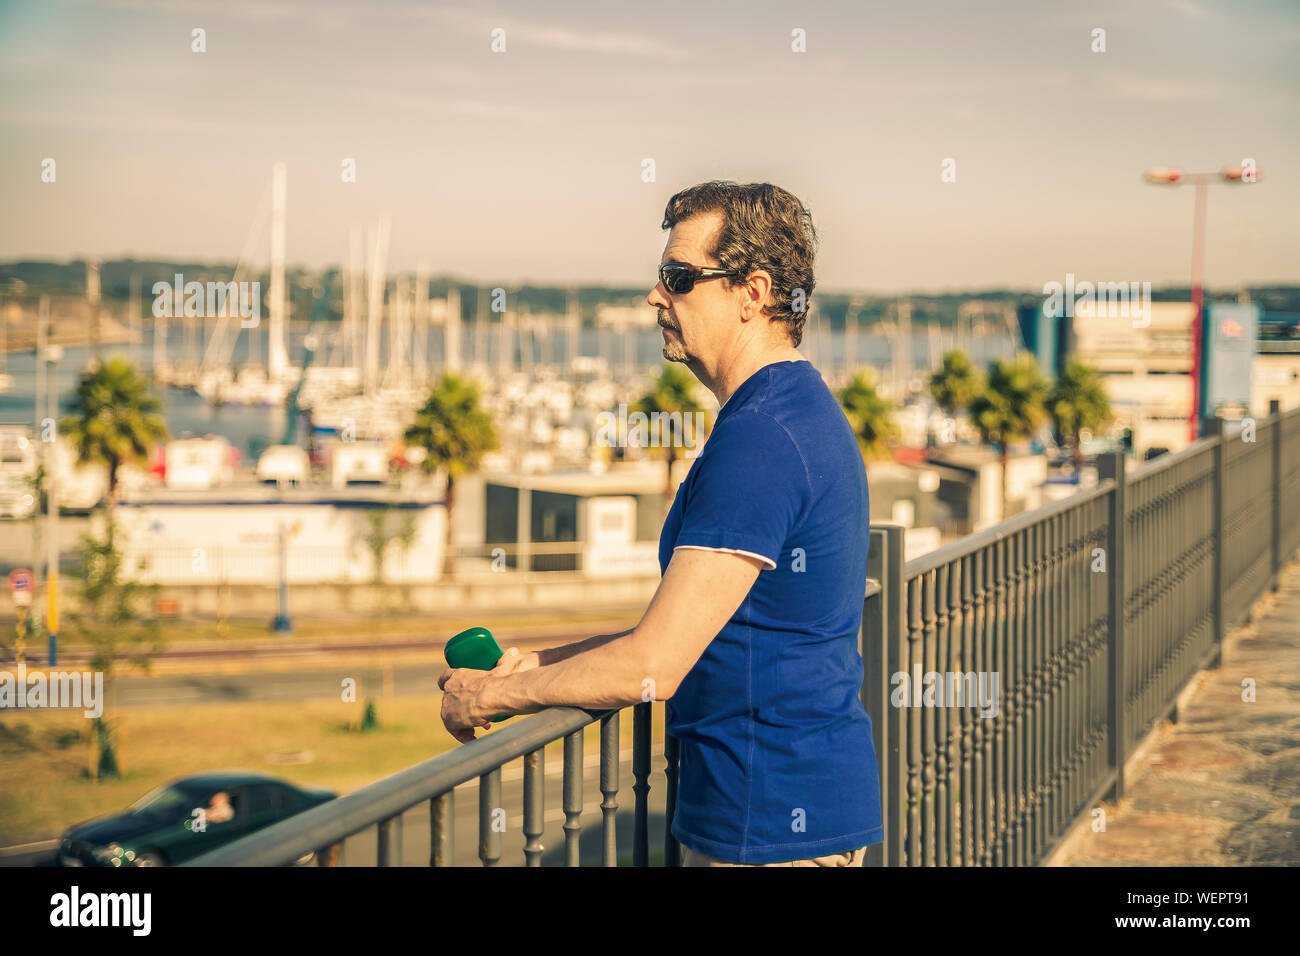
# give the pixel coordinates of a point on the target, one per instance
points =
(1010, 408)
(954, 383)
(870, 415)
(1077, 401)
(672, 398)
(455, 432)
(114, 419)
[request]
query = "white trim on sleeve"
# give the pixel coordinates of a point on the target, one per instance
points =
(751, 554)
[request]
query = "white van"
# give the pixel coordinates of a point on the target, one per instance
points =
(284, 465)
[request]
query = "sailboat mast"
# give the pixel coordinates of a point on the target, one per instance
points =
(375, 304)
(420, 328)
(574, 327)
(451, 347)
(277, 358)
(352, 309)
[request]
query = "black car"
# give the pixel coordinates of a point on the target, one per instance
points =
(187, 818)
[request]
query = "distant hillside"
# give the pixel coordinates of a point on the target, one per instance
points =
(28, 279)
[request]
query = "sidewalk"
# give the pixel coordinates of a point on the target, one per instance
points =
(1221, 787)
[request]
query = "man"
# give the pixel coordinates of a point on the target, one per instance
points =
(219, 808)
(751, 637)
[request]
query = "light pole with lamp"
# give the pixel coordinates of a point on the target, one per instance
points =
(1171, 176)
(52, 355)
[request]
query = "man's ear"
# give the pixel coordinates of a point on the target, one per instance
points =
(758, 292)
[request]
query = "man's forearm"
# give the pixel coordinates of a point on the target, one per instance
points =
(603, 675)
(553, 655)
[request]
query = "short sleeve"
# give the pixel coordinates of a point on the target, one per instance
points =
(749, 489)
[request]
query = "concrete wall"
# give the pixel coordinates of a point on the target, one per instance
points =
(238, 543)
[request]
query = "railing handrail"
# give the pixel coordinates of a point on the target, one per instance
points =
(1157, 465)
(968, 544)
(338, 819)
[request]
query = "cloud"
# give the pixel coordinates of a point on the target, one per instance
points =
(262, 10)
(112, 118)
(1151, 88)
(321, 13)
(404, 102)
(1189, 8)
(569, 38)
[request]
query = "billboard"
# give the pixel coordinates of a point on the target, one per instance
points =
(1228, 335)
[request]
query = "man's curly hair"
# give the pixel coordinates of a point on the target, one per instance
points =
(764, 227)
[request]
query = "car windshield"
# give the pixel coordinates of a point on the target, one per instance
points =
(163, 801)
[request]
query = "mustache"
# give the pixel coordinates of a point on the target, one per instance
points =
(663, 320)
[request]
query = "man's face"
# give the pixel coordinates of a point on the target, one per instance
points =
(693, 323)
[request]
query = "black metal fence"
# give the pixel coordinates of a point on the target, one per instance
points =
(1008, 675)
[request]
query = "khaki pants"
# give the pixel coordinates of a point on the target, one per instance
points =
(847, 858)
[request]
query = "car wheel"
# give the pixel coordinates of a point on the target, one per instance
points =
(307, 859)
(149, 858)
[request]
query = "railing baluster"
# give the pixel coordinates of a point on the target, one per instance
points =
(442, 828)
(915, 665)
(939, 794)
(966, 797)
(609, 787)
(573, 799)
(490, 813)
(672, 851)
(534, 805)
(984, 726)
(1112, 466)
(390, 841)
(998, 659)
(1018, 640)
(641, 783)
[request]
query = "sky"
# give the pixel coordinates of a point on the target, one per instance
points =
(530, 164)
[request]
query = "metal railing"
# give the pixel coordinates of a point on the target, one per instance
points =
(1093, 612)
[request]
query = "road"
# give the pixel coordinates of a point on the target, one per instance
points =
(319, 683)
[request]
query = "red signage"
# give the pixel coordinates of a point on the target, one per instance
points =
(21, 586)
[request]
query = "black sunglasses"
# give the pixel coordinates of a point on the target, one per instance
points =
(680, 277)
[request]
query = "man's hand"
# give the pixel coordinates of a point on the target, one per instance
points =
(512, 662)
(462, 689)
(461, 712)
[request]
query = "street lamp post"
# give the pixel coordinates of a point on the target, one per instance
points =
(52, 356)
(283, 624)
(1172, 176)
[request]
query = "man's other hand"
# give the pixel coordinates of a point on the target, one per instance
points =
(513, 662)
(460, 710)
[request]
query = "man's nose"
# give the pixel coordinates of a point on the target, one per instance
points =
(657, 298)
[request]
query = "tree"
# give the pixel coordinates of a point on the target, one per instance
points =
(1010, 407)
(955, 383)
(113, 419)
(1077, 401)
(870, 415)
(113, 618)
(672, 399)
(381, 532)
(376, 520)
(455, 432)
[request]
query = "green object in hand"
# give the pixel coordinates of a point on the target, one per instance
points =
(476, 649)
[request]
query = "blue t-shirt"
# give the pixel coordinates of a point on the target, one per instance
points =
(777, 758)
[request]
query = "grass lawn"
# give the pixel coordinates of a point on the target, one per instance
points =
(44, 755)
(178, 633)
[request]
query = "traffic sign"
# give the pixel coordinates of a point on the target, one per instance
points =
(21, 586)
